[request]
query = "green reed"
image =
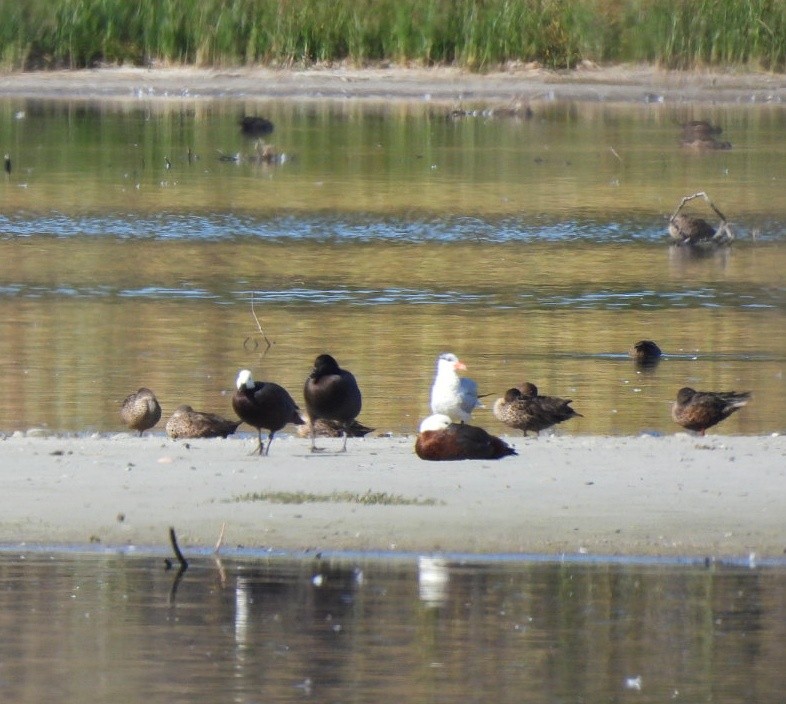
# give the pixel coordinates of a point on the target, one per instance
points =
(476, 34)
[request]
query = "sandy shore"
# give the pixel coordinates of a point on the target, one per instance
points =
(677, 495)
(527, 84)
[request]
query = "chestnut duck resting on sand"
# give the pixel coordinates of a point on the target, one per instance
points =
(185, 422)
(141, 410)
(441, 439)
(699, 410)
(332, 394)
(263, 404)
(523, 408)
(645, 352)
(452, 395)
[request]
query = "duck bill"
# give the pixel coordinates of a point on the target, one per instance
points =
(460, 366)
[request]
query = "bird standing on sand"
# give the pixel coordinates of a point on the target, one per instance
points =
(331, 393)
(441, 439)
(263, 404)
(523, 408)
(185, 422)
(141, 410)
(334, 429)
(699, 410)
(451, 394)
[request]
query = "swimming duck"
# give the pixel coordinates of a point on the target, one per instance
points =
(699, 128)
(263, 404)
(334, 429)
(523, 408)
(699, 410)
(645, 353)
(185, 422)
(441, 439)
(687, 229)
(141, 410)
(332, 394)
(452, 395)
(254, 126)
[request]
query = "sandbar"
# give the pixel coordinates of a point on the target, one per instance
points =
(680, 495)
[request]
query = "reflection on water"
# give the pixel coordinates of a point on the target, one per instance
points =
(391, 235)
(96, 628)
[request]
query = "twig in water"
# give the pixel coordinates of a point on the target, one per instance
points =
(220, 538)
(700, 194)
(614, 152)
(179, 555)
(259, 327)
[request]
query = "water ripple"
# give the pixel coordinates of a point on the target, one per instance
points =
(228, 226)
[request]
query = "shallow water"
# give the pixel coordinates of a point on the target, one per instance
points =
(104, 627)
(533, 248)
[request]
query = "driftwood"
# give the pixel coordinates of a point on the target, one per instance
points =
(690, 230)
(251, 339)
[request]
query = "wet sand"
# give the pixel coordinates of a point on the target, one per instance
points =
(716, 496)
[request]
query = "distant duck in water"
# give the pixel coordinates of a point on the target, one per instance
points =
(441, 439)
(645, 353)
(141, 410)
(699, 410)
(452, 395)
(700, 134)
(334, 429)
(331, 394)
(254, 126)
(523, 408)
(185, 422)
(263, 404)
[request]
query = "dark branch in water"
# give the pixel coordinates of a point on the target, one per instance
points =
(179, 555)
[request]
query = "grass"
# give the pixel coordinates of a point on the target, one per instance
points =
(370, 498)
(475, 34)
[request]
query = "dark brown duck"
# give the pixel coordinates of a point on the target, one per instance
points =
(263, 404)
(699, 410)
(332, 394)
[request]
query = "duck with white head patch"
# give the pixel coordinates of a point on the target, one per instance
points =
(263, 404)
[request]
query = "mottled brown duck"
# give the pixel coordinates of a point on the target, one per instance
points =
(526, 410)
(187, 423)
(699, 410)
(140, 411)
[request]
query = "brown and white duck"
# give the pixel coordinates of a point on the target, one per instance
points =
(699, 410)
(141, 410)
(186, 423)
(331, 393)
(523, 408)
(441, 439)
(263, 404)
